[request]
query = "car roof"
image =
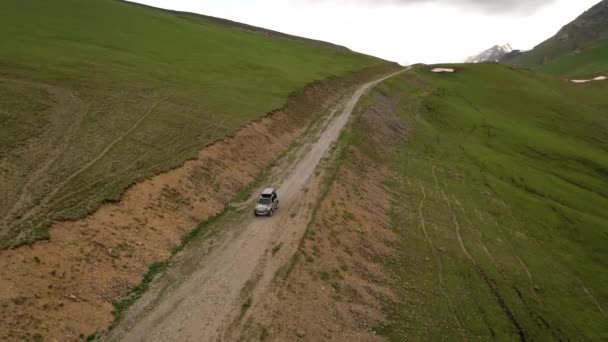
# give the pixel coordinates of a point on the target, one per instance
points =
(268, 191)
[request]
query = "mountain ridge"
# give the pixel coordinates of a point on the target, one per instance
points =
(493, 54)
(573, 41)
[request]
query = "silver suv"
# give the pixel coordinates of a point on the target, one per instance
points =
(267, 203)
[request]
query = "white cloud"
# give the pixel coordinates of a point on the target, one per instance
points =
(481, 5)
(429, 31)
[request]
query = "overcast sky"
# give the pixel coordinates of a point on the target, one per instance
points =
(405, 31)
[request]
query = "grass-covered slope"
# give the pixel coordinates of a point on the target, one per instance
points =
(501, 203)
(98, 94)
(591, 61)
(580, 48)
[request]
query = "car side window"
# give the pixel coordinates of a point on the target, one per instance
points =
(274, 197)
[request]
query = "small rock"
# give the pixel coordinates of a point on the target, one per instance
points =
(113, 253)
(300, 333)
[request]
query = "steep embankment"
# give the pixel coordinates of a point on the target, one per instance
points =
(579, 49)
(100, 94)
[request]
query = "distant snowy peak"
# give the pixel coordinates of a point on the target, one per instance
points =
(493, 54)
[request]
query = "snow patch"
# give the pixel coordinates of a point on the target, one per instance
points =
(442, 70)
(493, 54)
(599, 78)
(506, 48)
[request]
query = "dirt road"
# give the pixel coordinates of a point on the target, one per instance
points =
(213, 282)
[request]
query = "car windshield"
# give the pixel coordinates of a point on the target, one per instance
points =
(264, 201)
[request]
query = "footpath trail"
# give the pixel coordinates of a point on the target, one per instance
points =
(212, 282)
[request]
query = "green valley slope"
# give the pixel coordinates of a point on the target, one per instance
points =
(499, 202)
(587, 63)
(97, 95)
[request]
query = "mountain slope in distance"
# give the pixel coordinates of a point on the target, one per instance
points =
(579, 48)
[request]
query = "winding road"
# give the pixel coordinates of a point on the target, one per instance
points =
(210, 284)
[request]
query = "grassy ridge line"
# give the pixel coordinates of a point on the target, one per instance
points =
(500, 204)
(276, 34)
(73, 82)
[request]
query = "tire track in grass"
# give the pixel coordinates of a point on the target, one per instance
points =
(521, 262)
(536, 316)
(106, 178)
(584, 288)
(491, 257)
(435, 177)
(105, 150)
(527, 271)
(407, 164)
(62, 96)
(502, 304)
(458, 229)
(106, 181)
(402, 180)
(468, 256)
(500, 301)
(592, 298)
(454, 218)
(422, 224)
(48, 198)
(493, 289)
(479, 237)
(479, 215)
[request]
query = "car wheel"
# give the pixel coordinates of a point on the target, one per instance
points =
(271, 213)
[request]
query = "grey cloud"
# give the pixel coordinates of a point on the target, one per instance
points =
(491, 6)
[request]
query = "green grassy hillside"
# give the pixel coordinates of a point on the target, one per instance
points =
(98, 94)
(580, 48)
(589, 62)
(500, 202)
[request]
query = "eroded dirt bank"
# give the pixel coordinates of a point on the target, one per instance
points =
(207, 289)
(63, 289)
(336, 287)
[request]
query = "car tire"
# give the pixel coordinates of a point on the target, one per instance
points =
(271, 213)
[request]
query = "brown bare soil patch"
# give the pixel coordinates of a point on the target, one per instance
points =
(337, 285)
(63, 289)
